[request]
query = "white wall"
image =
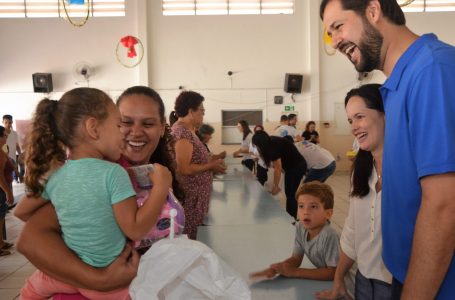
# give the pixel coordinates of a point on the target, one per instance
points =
(191, 51)
(197, 52)
(52, 45)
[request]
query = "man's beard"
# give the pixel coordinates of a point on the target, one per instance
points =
(370, 49)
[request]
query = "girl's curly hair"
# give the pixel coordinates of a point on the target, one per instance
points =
(55, 128)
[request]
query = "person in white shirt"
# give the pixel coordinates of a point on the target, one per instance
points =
(278, 131)
(285, 129)
(13, 137)
(244, 151)
(12, 144)
(261, 167)
(320, 162)
(292, 120)
(361, 239)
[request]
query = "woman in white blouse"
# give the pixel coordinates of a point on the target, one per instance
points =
(361, 239)
(244, 151)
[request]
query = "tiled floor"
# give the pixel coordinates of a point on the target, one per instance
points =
(15, 268)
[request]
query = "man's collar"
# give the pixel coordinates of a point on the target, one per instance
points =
(394, 80)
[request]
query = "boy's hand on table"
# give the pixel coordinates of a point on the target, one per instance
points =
(284, 269)
(267, 273)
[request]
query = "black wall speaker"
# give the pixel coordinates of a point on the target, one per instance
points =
(278, 99)
(42, 82)
(293, 83)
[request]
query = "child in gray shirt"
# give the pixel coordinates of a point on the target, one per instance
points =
(314, 237)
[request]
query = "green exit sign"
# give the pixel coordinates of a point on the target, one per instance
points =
(288, 108)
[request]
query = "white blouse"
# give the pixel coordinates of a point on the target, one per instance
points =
(246, 146)
(361, 239)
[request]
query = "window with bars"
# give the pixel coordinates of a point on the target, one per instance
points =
(55, 8)
(230, 135)
(243, 7)
(227, 7)
(427, 5)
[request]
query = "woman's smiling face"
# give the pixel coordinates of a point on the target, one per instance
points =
(367, 125)
(142, 127)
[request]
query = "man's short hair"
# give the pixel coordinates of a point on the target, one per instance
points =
(391, 9)
(8, 117)
(292, 116)
(317, 189)
(283, 118)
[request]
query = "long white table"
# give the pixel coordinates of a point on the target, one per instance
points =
(250, 248)
(243, 201)
(238, 198)
(249, 230)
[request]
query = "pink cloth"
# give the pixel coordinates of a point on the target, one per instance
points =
(40, 286)
(198, 187)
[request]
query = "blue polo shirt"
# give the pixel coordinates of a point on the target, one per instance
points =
(419, 103)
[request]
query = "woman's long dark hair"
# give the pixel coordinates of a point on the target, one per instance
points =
(245, 128)
(262, 142)
(307, 126)
(172, 118)
(363, 163)
(164, 153)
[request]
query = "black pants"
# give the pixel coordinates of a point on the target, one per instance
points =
(366, 289)
(292, 180)
(397, 287)
(249, 163)
(261, 174)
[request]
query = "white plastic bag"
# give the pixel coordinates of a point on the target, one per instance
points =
(185, 269)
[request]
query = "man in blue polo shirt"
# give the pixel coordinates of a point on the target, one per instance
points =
(418, 189)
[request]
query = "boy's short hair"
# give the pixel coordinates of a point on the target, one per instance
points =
(8, 117)
(283, 118)
(319, 190)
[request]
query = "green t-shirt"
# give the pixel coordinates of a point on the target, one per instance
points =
(83, 192)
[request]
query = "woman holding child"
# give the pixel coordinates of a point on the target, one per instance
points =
(146, 140)
(361, 239)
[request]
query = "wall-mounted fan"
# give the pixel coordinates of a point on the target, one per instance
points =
(83, 72)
